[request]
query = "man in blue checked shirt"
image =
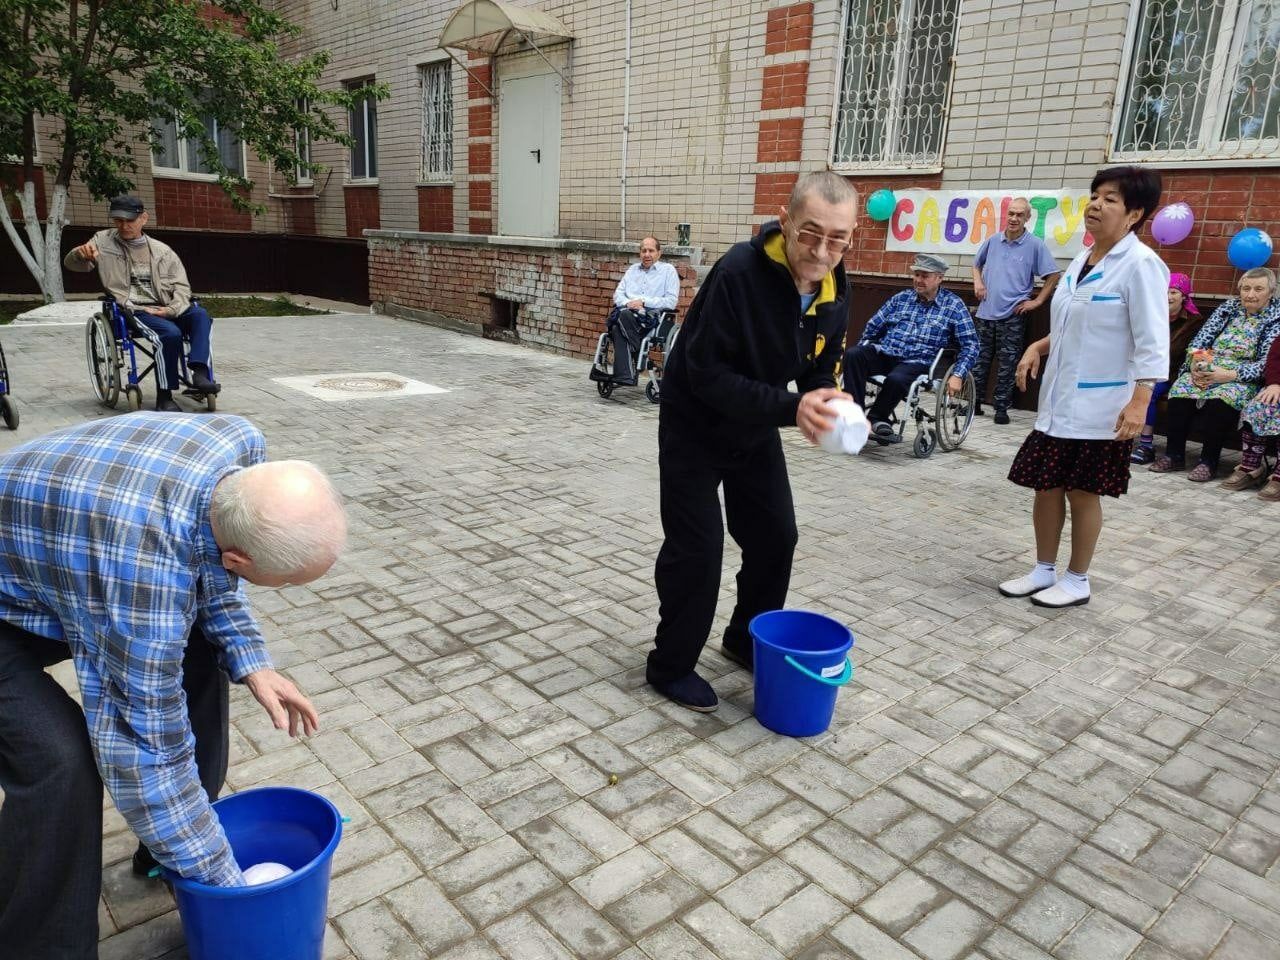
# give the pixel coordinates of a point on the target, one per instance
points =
(122, 546)
(903, 338)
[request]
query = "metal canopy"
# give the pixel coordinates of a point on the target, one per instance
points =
(494, 27)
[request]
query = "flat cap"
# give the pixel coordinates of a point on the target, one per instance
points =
(929, 264)
(125, 208)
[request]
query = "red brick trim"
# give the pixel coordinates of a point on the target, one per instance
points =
(435, 209)
(196, 204)
(363, 208)
(779, 140)
(788, 28)
(783, 86)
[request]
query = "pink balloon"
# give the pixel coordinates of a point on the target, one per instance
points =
(1172, 224)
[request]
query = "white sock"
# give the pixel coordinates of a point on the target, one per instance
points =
(1045, 574)
(1076, 584)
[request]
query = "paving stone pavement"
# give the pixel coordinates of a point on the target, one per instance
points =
(1001, 782)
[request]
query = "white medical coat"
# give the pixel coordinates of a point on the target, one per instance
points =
(1105, 332)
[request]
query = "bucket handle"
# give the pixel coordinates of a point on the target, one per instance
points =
(845, 676)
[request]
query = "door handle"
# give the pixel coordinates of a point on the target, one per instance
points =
(537, 155)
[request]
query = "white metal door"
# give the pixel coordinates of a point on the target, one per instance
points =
(529, 156)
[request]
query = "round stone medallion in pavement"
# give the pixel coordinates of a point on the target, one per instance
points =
(359, 384)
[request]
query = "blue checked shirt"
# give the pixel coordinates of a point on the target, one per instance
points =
(105, 543)
(914, 330)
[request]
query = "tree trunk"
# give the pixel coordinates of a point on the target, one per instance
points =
(40, 252)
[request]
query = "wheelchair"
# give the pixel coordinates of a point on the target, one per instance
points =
(113, 339)
(8, 410)
(942, 421)
(655, 345)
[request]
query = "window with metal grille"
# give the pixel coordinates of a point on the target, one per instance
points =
(363, 120)
(895, 83)
(437, 121)
(1201, 82)
(171, 151)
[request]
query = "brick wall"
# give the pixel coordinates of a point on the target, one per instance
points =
(11, 174)
(565, 295)
(435, 209)
(1225, 202)
(196, 204)
(363, 208)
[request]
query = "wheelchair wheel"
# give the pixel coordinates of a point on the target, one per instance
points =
(924, 443)
(211, 402)
(9, 411)
(954, 415)
(133, 397)
(651, 391)
(103, 356)
(605, 365)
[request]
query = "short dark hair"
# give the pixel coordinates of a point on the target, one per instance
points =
(831, 187)
(1139, 186)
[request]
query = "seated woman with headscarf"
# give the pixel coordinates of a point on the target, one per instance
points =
(1221, 374)
(1260, 423)
(1184, 323)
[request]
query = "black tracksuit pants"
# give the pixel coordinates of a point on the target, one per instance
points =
(762, 521)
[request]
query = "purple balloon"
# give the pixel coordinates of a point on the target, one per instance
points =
(1172, 224)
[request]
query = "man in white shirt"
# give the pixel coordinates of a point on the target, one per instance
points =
(645, 290)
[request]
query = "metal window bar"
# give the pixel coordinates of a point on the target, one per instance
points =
(1202, 82)
(437, 121)
(895, 82)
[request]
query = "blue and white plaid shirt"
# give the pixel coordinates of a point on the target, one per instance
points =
(912, 329)
(105, 543)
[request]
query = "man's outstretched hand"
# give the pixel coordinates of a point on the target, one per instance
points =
(284, 702)
(813, 418)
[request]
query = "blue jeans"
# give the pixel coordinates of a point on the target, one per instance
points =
(1158, 391)
(193, 324)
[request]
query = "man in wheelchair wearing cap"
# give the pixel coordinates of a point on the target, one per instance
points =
(901, 341)
(147, 277)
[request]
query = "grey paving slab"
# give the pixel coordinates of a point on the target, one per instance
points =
(1000, 781)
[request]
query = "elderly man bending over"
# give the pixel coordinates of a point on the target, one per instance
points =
(645, 290)
(122, 545)
(902, 339)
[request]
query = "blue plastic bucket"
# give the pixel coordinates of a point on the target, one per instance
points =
(801, 662)
(281, 920)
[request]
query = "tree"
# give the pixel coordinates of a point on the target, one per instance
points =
(104, 70)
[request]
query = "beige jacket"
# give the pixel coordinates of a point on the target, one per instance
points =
(168, 275)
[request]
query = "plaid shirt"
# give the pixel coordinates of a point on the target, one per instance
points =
(105, 543)
(914, 330)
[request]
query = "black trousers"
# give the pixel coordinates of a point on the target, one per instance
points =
(1217, 422)
(51, 815)
(762, 521)
(627, 328)
(863, 362)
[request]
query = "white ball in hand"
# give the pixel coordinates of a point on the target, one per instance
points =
(851, 428)
(265, 873)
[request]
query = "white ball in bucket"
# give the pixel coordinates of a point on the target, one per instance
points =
(851, 429)
(265, 873)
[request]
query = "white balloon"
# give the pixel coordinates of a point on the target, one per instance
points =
(851, 430)
(265, 873)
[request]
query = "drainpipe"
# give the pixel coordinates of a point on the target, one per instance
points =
(626, 126)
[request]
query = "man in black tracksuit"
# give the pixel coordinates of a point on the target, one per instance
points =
(772, 310)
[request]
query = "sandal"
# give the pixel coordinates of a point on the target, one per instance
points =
(1201, 473)
(1142, 454)
(1166, 464)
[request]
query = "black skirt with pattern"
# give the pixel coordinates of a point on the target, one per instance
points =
(1095, 466)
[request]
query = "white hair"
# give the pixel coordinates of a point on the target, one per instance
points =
(261, 520)
(1259, 273)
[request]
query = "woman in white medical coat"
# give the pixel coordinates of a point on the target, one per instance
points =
(1108, 345)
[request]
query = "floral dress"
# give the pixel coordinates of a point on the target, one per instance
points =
(1239, 342)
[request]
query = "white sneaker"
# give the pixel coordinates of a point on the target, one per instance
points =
(1058, 596)
(1025, 586)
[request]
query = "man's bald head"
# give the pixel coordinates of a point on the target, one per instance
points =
(278, 522)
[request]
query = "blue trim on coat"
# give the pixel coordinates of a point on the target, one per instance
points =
(1096, 384)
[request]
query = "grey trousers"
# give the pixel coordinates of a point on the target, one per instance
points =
(51, 814)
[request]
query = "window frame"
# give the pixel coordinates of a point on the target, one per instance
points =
(426, 177)
(367, 106)
(1217, 100)
(301, 141)
(879, 167)
(183, 173)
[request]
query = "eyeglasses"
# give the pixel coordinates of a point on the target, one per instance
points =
(816, 241)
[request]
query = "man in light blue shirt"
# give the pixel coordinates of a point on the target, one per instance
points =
(1004, 273)
(645, 290)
